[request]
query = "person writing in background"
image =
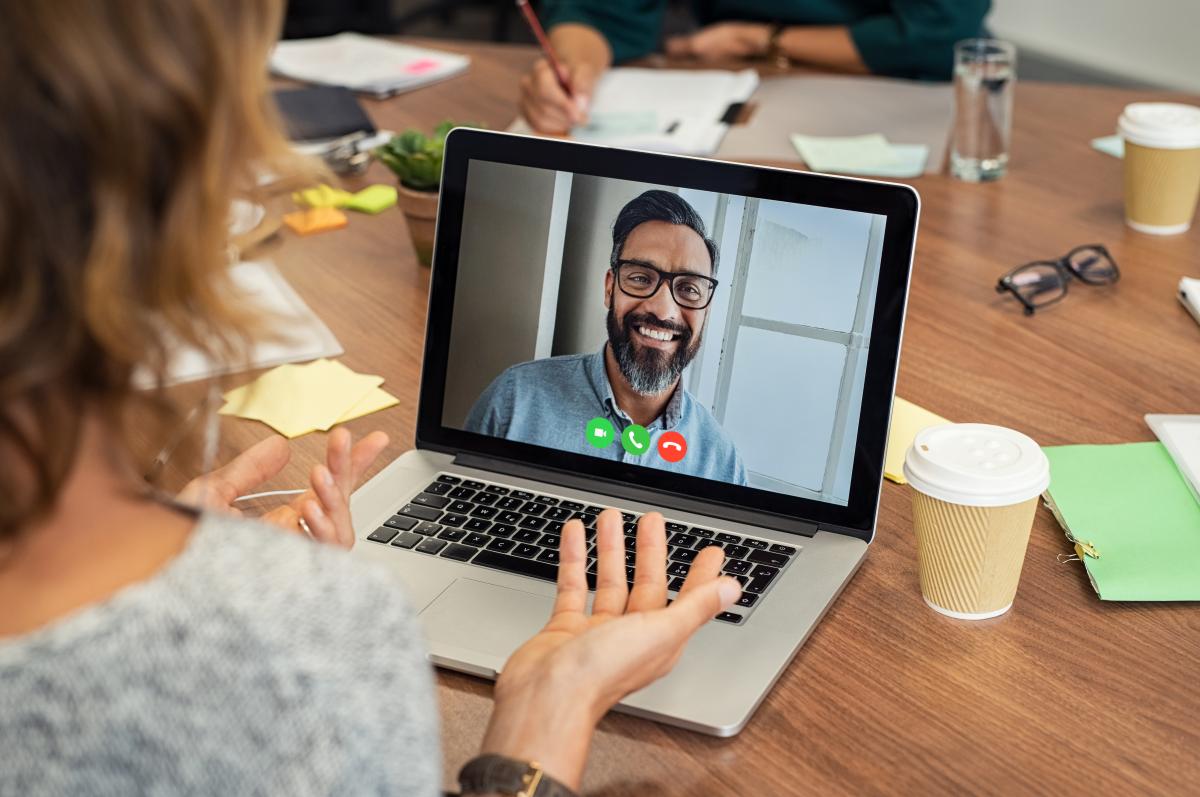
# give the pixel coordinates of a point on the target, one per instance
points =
(157, 644)
(899, 38)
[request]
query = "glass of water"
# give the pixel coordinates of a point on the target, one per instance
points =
(984, 73)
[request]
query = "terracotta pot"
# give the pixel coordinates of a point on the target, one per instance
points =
(420, 211)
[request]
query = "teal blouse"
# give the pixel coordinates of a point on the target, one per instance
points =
(903, 38)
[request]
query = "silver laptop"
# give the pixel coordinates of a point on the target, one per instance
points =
(608, 328)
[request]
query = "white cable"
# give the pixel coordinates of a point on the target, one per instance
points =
(267, 494)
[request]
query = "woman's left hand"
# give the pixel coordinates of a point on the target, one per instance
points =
(723, 40)
(324, 507)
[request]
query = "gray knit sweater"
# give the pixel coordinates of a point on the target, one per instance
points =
(254, 663)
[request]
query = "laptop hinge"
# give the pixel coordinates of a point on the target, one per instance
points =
(644, 494)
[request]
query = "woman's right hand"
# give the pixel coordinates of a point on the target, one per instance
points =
(544, 104)
(557, 686)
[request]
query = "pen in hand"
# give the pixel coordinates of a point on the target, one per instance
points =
(540, 34)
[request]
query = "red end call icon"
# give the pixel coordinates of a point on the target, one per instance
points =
(672, 446)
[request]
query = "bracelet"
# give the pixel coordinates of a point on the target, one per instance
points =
(490, 773)
(775, 53)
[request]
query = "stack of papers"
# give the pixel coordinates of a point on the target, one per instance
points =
(663, 110)
(298, 399)
(871, 155)
(362, 63)
(299, 335)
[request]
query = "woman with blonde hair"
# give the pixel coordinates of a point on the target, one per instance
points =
(162, 644)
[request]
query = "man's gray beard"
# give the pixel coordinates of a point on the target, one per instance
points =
(647, 378)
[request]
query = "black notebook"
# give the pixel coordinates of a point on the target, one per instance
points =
(321, 112)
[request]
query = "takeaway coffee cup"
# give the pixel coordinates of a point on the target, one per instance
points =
(975, 491)
(1162, 165)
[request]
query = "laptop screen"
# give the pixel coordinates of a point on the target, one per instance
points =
(708, 334)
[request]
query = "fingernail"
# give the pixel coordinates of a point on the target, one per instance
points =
(581, 102)
(730, 591)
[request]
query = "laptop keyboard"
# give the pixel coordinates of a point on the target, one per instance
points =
(504, 528)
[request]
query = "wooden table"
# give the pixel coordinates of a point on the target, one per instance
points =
(1064, 693)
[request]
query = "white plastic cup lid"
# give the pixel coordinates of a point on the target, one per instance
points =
(976, 464)
(1162, 125)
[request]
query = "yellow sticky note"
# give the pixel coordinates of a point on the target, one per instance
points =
(322, 196)
(297, 399)
(378, 399)
(307, 222)
(373, 199)
(907, 420)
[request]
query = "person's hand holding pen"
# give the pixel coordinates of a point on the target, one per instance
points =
(556, 93)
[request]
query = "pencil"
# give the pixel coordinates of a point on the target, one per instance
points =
(540, 34)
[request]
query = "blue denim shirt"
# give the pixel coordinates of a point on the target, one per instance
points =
(549, 402)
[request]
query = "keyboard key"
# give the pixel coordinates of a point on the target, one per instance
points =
(427, 528)
(630, 557)
(453, 535)
(630, 543)
(486, 499)
(757, 585)
(533, 508)
(508, 517)
(548, 555)
(629, 573)
(446, 478)
(522, 495)
(500, 544)
(509, 503)
(557, 513)
(743, 580)
(700, 546)
(767, 558)
(756, 544)
(478, 540)
(400, 522)
(474, 485)
(683, 540)
(786, 550)
(549, 541)
(407, 539)
(737, 567)
(527, 535)
(729, 617)
(459, 507)
(454, 520)
(439, 488)
(545, 499)
(382, 534)
(736, 551)
(497, 489)
(574, 506)
(732, 539)
(515, 564)
(695, 532)
(458, 552)
(630, 527)
(431, 545)
(593, 510)
(678, 569)
(676, 584)
(477, 525)
(502, 530)
(485, 512)
(589, 520)
(461, 492)
(427, 499)
(672, 526)
(420, 512)
(628, 517)
(682, 555)
(531, 523)
(526, 551)
(554, 527)
(765, 571)
(747, 599)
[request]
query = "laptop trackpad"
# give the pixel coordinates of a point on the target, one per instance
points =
(476, 626)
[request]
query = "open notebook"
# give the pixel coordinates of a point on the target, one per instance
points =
(664, 110)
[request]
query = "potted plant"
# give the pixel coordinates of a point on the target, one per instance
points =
(416, 160)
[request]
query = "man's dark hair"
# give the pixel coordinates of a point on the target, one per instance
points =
(657, 205)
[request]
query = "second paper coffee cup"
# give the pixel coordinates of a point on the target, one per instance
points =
(1162, 166)
(975, 492)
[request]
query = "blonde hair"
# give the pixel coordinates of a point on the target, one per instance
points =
(126, 129)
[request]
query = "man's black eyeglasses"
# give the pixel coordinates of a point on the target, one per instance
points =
(641, 281)
(1044, 282)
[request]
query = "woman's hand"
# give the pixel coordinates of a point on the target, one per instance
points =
(721, 41)
(324, 507)
(557, 686)
(544, 104)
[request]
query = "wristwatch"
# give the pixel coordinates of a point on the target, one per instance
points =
(775, 53)
(497, 774)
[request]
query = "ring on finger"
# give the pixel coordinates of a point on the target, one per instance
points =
(304, 527)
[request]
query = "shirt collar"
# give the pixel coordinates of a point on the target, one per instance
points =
(598, 375)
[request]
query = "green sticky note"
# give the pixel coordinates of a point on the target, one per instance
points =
(871, 155)
(617, 123)
(1131, 503)
(1110, 145)
(373, 199)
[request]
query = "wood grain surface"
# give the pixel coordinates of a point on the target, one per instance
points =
(1065, 693)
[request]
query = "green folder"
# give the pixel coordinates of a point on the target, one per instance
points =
(1132, 506)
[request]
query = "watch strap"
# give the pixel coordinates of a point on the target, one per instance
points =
(490, 773)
